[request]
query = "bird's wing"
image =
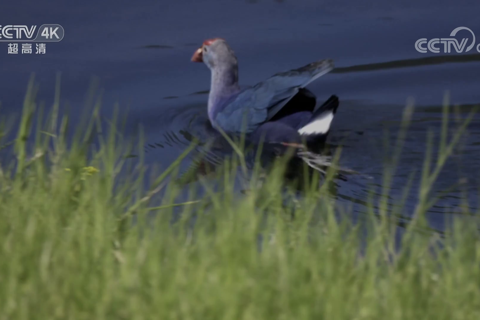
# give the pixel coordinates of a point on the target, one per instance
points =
(260, 103)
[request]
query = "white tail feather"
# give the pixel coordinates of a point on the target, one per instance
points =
(317, 126)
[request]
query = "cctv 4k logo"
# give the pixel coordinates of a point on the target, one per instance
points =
(449, 45)
(30, 33)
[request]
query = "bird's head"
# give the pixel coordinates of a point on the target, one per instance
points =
(214, 52)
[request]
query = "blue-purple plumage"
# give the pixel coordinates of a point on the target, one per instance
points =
(260, 103)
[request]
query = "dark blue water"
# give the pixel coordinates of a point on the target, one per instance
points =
(140, 54)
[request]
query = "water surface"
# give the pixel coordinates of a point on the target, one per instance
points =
(140, 54)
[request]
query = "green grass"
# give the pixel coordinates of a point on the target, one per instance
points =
(68, 249)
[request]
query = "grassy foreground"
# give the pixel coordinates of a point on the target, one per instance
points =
(68, 249)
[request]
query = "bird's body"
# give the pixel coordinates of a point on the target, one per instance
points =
(279, 109)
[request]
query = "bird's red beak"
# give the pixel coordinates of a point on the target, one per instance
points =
(198, 56)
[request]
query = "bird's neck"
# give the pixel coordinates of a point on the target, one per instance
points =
(224, 84)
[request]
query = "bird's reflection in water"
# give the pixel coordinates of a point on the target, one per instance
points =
(301, 165)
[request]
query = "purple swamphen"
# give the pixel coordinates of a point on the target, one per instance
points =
(277, 110)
